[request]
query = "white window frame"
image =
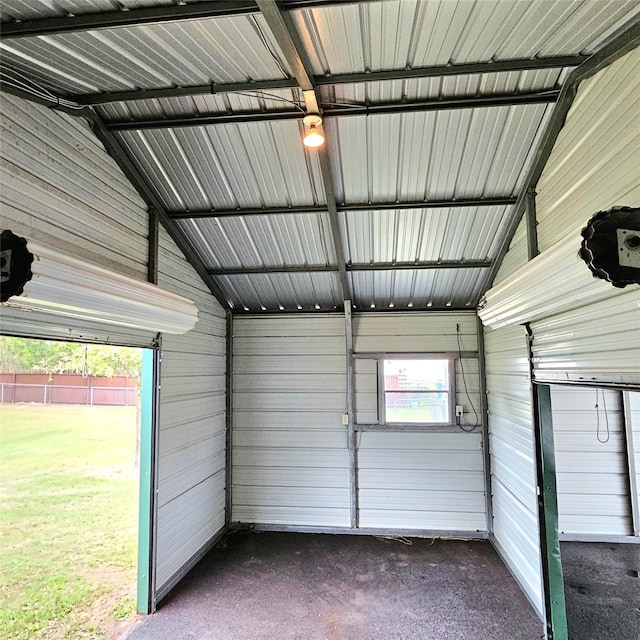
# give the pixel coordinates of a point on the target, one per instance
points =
(382, 392)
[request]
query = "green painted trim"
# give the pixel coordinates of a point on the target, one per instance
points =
(145, 502)
(554, 581)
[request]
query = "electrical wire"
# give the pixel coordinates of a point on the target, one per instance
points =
(268, 47)
(466, 390)
(22, 83)
(269, 96)
(606, 416)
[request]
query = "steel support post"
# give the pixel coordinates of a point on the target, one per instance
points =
(352, 442)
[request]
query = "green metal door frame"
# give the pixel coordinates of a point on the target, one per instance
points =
(145, 601)
(553, 582)
(552, 579)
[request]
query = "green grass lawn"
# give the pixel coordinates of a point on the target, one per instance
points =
(68, 528)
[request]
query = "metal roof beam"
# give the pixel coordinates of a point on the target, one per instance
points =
(379, 266)
(143, 16)
(288, 39)
(181, 92)
(385, 108)
(350, 207)
(521, 64)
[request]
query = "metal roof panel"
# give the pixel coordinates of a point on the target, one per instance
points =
(282, 291)
(423, 234)
(399, 34)
(433, 155)
(229, 166)
(456, 288)
(261, 241)
(230, 49)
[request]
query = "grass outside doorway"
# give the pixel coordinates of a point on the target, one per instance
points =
(68, 521)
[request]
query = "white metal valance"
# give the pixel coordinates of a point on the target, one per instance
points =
(74, 288)
(554, 282)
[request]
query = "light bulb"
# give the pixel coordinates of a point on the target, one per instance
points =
(314, 138)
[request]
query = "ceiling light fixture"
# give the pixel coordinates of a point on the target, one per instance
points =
(314, 137)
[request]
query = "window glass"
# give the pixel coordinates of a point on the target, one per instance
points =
(417, 391)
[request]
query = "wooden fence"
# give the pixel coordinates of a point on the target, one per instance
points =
(67, 388)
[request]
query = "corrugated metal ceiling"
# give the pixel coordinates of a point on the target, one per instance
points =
(398, 34)
(375, 161)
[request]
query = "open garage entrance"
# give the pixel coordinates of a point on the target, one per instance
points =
(596, 433)
(76, 454)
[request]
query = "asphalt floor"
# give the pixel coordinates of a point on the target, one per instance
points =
(602, 590)
(281, 586)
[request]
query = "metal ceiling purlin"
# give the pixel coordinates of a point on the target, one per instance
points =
(626, 39)
(285, 34)
(521, 64)
(143, 16)
(377, 266)
(383, 108)
(345, 207)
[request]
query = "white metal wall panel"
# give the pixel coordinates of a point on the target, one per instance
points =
(634, 450)
(593, 166)
(290, 459)
(517, 255)
(429, 481)
(60, 188)
(595, 160)
(511, 447)
(191, 441)
(591, 467)
(596, 342)
(590, 331)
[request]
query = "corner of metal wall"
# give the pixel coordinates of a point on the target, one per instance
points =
(228, 497)
(484, 412)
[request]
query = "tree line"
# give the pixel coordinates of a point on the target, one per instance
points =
(22, 355)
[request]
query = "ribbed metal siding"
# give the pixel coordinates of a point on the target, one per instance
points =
(597, 342)
(290, 460)
(156, 55)
(517, 256)
(423, 234)
(282, 291)
(634, 404)
(594, 163)
(433, 155)
(591, 466)
(426, 481)
(593, 166)
(415, 33)
(61, 189)
(513, 475)
(21, 10)
(191, 444)
(419, 480)
(406, 288)
(258, 241)
(229, 166)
